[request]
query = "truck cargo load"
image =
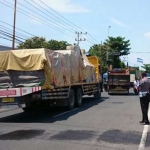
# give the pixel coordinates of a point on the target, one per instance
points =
(43, 67)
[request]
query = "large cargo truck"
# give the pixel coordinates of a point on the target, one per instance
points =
(118, 81)
(41, 78)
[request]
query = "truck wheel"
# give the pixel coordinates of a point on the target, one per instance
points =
(109, 93)
(97, 94)
(79, 97)
(26, 110)
(71, 99)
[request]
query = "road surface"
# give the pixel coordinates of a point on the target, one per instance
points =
(109, 123)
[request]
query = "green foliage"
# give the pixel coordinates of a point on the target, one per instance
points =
(119, 45)
(112, 44)
(56, 45)
(95, 50)
(40, 42)
(146, 67)
(35, 42)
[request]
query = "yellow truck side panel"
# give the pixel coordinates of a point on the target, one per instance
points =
(94, 61)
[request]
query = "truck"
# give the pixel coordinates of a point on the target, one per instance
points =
(118, 81)
(42, 78)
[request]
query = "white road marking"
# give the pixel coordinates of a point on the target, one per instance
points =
(64, 113)
(144, 136)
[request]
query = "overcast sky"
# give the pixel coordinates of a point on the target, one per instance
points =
(60, 21)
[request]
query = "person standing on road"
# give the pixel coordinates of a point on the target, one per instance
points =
(144, 98)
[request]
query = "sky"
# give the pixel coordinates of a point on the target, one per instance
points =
(61, 19)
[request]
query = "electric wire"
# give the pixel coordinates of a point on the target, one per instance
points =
(9, 36)
(4, 32)
(45, 17)
(70, 25)
(35, 18)
(17, 28)
(10, 30)
(66, 19)
(57, 20)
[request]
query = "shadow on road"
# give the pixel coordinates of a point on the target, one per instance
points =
(121, 94)
(48, 116)
(120, 137)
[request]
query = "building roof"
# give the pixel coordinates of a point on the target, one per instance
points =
(4, 48)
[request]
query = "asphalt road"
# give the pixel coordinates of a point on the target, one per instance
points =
(109, 123)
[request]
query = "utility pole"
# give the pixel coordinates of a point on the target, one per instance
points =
(101, 52)
(78, 37)
(14, 26)
(107, 49)
(101, 64)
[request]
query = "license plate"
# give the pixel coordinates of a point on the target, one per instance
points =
(8, 100)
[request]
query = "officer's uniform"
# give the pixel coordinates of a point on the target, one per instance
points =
(144, 98)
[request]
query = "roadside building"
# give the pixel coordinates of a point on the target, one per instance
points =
(4, 48)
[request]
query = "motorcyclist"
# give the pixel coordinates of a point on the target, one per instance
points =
(136, 84)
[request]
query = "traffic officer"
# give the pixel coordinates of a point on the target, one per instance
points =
(144, 98)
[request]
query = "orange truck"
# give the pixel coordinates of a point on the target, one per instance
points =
(41, 78)
(118, 81)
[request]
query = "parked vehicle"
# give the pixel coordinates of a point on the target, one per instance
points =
(40, 78)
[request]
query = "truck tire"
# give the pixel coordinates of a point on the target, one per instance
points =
(71, 99)
(27, 110)
(97, 94)
(78, 97)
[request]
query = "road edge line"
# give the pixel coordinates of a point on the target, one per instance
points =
(144, 136)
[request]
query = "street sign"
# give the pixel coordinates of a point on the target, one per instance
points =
(140, 60)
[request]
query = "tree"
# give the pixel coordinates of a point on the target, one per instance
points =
(112, 44)
(146, 67)
(95, 50)
(34, 42)
(56, 45)
(40, 42)
(116, 45)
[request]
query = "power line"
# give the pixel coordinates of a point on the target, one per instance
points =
(17, 28)
(39, 20)
(8, 39)
(1, 31)
(43, 22)
(10, 30)
(43, 16)
(35, 18)
(6, 34)
(58, 19)
(60, 15)
(67, 20)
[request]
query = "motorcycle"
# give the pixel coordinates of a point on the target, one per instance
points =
(136, 89)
